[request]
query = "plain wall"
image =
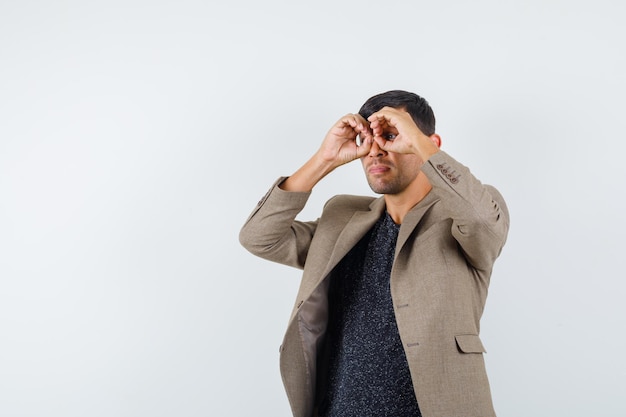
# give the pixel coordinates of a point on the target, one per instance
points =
(137, 136)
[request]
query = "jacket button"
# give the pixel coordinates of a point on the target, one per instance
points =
(439, 166)
(454, 180)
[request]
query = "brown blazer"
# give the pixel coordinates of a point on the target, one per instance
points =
(445, 252)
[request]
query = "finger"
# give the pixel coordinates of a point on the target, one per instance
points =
(358, 116)
(382, 143)
(379, 116)
(348, 121)
(377, 128)
(345, 128)
(387, 112)
(360, 139)
(353, 119)
(378, 122)
(382, 119)
(344, 122)
(355, 124)
(363, 128)
(365, 147)
(387, 115)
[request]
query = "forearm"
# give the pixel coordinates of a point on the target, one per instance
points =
(305, 178)
(480, 215)
(272, 232)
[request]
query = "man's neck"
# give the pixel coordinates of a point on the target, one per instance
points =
(398, 205)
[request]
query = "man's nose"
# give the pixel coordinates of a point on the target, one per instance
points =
(376, 151)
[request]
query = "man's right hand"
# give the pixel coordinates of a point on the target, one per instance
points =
(339, 147)
(340, 144)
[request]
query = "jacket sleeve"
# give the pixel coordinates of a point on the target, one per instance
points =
(271, 231)
(480, 218)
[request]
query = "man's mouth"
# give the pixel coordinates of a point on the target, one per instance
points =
(378, 169)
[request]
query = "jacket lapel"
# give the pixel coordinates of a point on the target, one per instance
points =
(360, 223)
(413, 218)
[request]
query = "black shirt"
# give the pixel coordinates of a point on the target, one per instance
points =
(367, 374)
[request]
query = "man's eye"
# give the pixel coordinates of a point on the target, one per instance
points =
(390, 136)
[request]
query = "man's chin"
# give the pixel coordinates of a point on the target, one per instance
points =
(384, 188)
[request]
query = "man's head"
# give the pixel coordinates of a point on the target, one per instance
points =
(416, 106)
(389, 172)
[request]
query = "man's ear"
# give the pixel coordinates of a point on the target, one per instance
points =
(436, 139)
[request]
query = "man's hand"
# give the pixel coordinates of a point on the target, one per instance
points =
(340, 144)
(339, 147)
(395, 131)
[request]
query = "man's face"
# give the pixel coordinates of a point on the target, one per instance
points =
(389, 172)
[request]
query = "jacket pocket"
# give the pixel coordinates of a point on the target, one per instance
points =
(469, 343)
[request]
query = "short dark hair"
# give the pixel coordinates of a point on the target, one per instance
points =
(416, 106)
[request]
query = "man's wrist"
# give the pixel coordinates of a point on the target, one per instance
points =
(305, 178)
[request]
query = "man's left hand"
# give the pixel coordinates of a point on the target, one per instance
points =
(395, 131)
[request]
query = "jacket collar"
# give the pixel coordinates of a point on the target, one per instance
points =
(413, 218)
(362, 221)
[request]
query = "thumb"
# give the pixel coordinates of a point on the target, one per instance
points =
(365, 147)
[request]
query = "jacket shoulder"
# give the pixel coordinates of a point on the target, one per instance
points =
(348, 203)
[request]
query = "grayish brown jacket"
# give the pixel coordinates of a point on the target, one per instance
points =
(444, 256)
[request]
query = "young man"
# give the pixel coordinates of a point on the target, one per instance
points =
(387, 317)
